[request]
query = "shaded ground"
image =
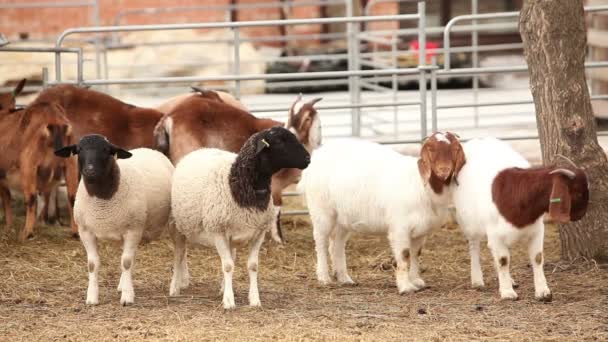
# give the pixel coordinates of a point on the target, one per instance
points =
(43, 285)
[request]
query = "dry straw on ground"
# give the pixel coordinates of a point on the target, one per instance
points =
(43, 284)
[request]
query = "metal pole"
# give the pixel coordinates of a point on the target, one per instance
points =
(475, 60)
(79, 66)
(237, 62)
(434, 95)
(45, 78)
(395, 85)
(352, 82)
(421, 64)
(95, 17)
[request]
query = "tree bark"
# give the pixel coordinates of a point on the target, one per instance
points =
(553, 33)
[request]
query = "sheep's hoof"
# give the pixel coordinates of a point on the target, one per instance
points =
(92, 301)
(545, 297)
(408, 290)
(419, 283)
(515, 285)
(346, 281)
(478, 286)
(125, 302)
(323, 281)
(229, 305)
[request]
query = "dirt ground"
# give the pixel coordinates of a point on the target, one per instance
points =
(43, 285)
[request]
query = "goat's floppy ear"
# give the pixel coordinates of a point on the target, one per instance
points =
(121, 153)
(459, 159)
(19, 87)
(560, 202)
(424, 164)
(67, 151)
(262, 144)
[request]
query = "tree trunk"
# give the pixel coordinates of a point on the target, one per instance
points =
(553, 33)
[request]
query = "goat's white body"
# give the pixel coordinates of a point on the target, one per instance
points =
(357, 186)
(479, 218)
(139, 209)
(204, 212)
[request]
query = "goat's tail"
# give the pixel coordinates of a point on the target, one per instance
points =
(162, 134)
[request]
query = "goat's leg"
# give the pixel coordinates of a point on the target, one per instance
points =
(338, 252)
(502, 260)
(322, 227)
(31, 201)
(400, 244)
(414, 274)
(5, 193)
(127, 263)
(476, 272)
(252, 269)
(90, 245)
(537, 259)
(223, 249)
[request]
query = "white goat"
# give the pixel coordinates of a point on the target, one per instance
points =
(353, 186)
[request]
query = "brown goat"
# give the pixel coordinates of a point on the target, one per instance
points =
(26, 150)
(219, 96)
(93, 112)
(7, 100)
(523, 195)
(202, 122)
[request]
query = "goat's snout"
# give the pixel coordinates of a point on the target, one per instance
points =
(444, 171)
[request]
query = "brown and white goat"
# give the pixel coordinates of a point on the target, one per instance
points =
(8, 100)
(220, 96)
(501, 197)
(202, 122)
(93, 112)
(27, 161)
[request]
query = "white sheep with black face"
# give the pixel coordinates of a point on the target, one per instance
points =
(223, 200)
(122, 196)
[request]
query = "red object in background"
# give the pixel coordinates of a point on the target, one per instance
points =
(431, 48)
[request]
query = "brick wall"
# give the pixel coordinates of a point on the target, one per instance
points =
(40, 23)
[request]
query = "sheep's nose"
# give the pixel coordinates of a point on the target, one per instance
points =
(88, 170)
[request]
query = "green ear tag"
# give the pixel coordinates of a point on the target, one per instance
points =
(555, 200)
(265, 142)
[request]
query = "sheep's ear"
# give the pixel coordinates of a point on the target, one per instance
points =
(424, 164)
(19, 88)
(121, 153)
(66, 152)
(262, 144)
(560, 202)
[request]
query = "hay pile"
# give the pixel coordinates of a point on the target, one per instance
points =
(43, 285)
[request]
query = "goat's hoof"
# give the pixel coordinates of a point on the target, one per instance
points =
(408, 290)
(324, 281)
(508, 295)
(75, 236)
(545, 296)
(229, 305)
(515, 284)
(419, 283)
(126, 301)
(346, 281)
(92, 301)
(31, 236)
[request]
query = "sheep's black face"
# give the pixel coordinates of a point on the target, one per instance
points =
(95, 156)
(280, 149)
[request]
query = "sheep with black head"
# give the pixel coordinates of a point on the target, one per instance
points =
(122, 195)
(221, 199)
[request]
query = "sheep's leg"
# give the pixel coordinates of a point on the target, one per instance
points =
(416, 249)
(233, 254)
(180, 277)
(322, 227)
(338, 252)
(127, 263)
(5, 193)
(223, 249)
(535, 250)
(252, 268)
(400, 245)
(90, 245)
(476, 273)
(502, 259)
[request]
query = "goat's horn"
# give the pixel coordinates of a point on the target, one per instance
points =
(313, 101)
(196, 89)
(564, 172)
(567, 159)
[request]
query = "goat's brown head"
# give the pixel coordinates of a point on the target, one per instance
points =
(304, 122)
(441, 157)
(8, 100)
(569, 195)
(48, 123)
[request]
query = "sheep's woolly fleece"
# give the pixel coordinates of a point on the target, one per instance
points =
(201, 198)
(142, 200)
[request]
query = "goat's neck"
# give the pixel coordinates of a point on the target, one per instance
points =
(105, 187)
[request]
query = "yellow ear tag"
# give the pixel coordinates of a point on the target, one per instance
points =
(265, 142)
